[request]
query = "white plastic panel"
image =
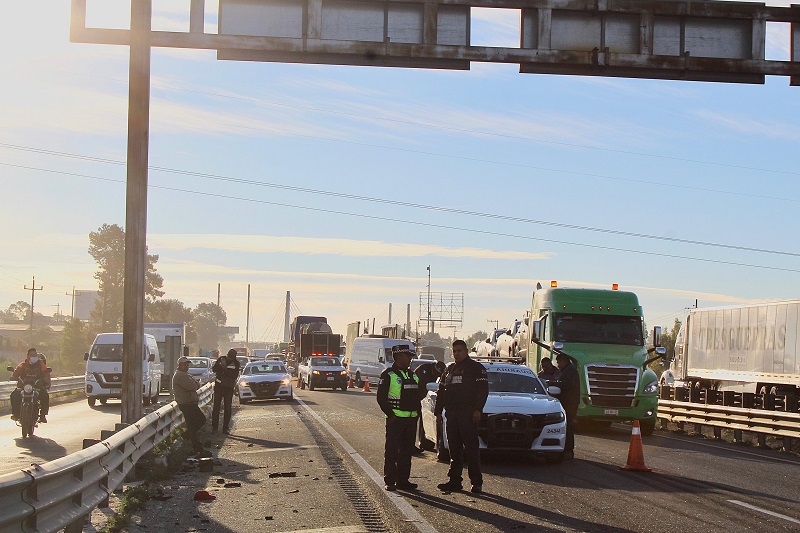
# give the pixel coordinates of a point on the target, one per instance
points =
(278, 18)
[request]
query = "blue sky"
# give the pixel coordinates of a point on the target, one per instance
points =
(708, 162)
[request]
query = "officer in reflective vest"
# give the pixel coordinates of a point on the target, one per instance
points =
(399, 395)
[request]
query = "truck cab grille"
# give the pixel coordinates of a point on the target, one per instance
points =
(612, 385)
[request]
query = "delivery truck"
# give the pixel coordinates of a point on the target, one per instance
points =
(750, 348)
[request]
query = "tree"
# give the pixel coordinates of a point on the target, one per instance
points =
(75, 341)
(668, 339)
(169, 310)
(476, 337)
(107, 247)
(20, 310)
(205, 319)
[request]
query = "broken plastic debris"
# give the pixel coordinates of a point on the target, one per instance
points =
(203, 496)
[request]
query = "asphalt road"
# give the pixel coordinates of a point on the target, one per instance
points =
(68, 424)
(332, 442)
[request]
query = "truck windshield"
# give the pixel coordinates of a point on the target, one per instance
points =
(106, 352)
(598, 329)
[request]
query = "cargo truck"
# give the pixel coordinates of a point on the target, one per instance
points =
(602, 331)
(171, 340)
(312, 336)
(752, 348)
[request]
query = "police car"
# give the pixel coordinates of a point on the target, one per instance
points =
(519, 416)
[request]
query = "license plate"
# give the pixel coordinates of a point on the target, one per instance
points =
(612, 412)
(330, 378)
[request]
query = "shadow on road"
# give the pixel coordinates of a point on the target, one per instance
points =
(42, 449)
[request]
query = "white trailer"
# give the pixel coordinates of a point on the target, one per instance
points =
(753, 348)
(171, 339)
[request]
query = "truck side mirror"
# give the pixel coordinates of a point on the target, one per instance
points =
(10, 368)
(86, 356)
(536, 330)
(657, 336)
(186, 351)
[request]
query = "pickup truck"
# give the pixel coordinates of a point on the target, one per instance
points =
(322, 372)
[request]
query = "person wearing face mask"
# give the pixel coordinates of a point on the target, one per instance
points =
(227, 370)
(32, 367)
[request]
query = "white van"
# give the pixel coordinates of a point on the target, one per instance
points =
(104, 369)
(370, 355)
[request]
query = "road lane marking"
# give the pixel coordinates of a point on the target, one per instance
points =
(760, 510)
(398, 501)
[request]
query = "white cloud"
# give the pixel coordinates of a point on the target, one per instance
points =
(317, 246)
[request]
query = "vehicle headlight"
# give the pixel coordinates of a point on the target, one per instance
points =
(343, 373)
(28, 388)
(651, 388)
(244, 384)
(554, 418)
(90, 376)
(315, 372)
(286, 381)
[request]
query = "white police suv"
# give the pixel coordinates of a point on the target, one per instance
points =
(519, 416)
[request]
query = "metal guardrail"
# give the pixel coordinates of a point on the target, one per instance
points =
(56, 385)
(769, 423)
(61, 494)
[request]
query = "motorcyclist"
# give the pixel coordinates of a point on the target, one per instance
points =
(33, 367)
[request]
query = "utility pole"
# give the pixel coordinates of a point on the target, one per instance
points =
(247, 328)
(429, 298)
(136, 210)
(72, 312)
(495, 322)
(390, 315)
(287, 317)
(33, 290)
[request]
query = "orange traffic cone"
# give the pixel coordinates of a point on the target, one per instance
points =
(635, 452)
(352, 383)
(366, 386)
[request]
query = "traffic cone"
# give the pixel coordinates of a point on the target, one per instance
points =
(635, 452)
(366, 386)
(352, 383)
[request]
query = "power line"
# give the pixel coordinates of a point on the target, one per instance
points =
(428, 224)
(495, 216)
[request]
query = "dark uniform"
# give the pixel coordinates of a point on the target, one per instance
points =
(463, 389)
(570, 398)
(227, 370)
(399, 396)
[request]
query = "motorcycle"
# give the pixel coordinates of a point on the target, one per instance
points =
(29, 388)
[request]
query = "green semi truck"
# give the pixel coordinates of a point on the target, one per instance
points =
(602, 331)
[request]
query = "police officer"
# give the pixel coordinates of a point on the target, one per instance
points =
(570, 398)
(399, 395)
(463, 390)
(227, 370)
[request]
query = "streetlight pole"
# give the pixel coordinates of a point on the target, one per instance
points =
(429, 298)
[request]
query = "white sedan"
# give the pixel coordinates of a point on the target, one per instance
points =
(264, 380)
(519, 416)
(200, 370)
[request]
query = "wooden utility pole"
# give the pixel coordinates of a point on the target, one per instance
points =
(72, 312)
(33, 290)
(136, 210)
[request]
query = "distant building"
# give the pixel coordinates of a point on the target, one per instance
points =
(85, 302)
